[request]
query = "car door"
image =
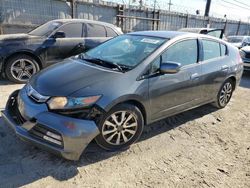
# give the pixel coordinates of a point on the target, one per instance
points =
(218, 33)
(171, 93)
(215, 66)
(71, 44)
(96, 34)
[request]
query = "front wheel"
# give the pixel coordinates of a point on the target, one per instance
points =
(20, 68)
(120, 127)
(225, 93)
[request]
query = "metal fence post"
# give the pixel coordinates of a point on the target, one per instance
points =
(72, 2)
(186, 23)
(158, 20)
(238, 28)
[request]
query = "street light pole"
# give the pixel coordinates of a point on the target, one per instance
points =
(207, 8)
(169, 5)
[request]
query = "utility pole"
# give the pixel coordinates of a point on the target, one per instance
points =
(169, 5)
(207, 8)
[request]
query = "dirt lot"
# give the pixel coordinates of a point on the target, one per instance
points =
(204, 147)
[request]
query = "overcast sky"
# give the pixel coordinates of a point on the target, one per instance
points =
(234, 9)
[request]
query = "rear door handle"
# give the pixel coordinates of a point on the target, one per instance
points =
(224, 68)
(194, 76)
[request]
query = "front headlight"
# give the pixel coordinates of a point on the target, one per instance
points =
(242, 53)
(57, 103)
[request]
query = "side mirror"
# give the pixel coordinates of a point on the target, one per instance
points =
(169, 67)
(59, 34)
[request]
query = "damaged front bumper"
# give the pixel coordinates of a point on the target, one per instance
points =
(32, 122)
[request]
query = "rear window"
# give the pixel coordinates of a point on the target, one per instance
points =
(211, 49)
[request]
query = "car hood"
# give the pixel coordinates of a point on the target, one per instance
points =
(69, 76)
(20, 36)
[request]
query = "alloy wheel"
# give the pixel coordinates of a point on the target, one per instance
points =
(225, 94)
(23, 69)
(120, 127)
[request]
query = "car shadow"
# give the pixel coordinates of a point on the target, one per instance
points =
(33, 164)
(245, 80)
(4, 81)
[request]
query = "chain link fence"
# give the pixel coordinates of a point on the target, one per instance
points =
(22, 15)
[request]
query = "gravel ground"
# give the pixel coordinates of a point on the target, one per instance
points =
(204, 147)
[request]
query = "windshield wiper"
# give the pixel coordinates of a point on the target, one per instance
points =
(104, 62)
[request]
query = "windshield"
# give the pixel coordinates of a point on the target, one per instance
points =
(234, 39)
(125, 50)
(46, 29)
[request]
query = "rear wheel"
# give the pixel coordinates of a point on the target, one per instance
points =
(225, 93)
(120, 127)
(20, 68)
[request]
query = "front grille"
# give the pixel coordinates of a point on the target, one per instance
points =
(34, 95)
(247, 55)
(47, 135)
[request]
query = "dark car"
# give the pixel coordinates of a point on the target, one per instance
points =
(22, 55)
(245, 55)
(218, 33)
(113, 90)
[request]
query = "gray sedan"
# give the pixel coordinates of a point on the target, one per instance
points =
(110, 92)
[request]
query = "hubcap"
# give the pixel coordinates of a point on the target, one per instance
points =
(225, 94)
(119, 127)
(23, 69)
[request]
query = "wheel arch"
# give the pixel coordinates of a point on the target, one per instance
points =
(131, 100)
(25, 52)
(233, 78)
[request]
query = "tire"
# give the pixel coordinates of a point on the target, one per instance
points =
(129, 125)
(20, 68)
(225, 93)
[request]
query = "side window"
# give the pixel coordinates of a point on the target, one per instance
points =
(110, 32)
(223, 49)
(211, 49)
(184, 52)
(95, 30)
(72, 30)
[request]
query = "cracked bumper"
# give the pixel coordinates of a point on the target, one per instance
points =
(32, 122)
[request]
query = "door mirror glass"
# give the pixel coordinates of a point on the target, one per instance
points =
(169, 67)
(59, 34)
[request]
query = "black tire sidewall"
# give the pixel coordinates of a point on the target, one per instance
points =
(130, 108)
(12, 60)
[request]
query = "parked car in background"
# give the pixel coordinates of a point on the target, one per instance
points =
(113, 90)
(245, 55)
(239, 41)
(218, 33)
(22, 55)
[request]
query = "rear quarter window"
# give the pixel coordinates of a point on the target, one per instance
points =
(211, 49)
(110, 32)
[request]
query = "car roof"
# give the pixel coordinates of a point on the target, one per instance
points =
(161, 34)
(84, 21)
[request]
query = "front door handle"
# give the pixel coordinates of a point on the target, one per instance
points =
(194, 76)
(224, 68)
